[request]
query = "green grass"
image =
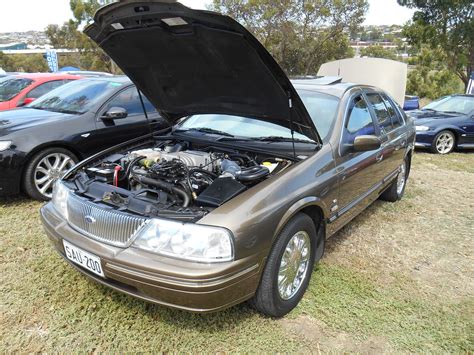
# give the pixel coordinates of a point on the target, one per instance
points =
(463, 162)
(352, 303)
(398, 278)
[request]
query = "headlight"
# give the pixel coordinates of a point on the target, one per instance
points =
(60, 197)
(4, 145)
(187, 241)
(422, 128)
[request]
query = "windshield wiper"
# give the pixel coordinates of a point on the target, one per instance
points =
(454, 112)
(206, 130)
(428, 109)
(283, 139)
(59, 110)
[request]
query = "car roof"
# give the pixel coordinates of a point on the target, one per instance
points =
(39, 75)
(337, 88)
(113, 78)
(44, 77)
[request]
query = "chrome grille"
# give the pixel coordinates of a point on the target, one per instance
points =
(106, 225)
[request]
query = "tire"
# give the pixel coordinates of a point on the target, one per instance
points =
(396, 189)
(268, 299)
(443, 143)
(43, 169)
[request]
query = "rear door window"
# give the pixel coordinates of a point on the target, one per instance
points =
(397, 120)
(381, 113)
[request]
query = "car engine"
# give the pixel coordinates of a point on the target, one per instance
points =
(174, 180)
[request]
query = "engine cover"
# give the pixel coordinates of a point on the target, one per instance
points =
(192, 158)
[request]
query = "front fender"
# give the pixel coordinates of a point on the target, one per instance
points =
(309, 201)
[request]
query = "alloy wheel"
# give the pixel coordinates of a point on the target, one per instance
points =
(294, 265)
(444, 143)
(51, 168)
(401, 178)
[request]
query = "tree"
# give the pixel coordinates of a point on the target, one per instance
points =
(301, 35)
(447, 25)
(90, 56)
(23, 62)
(431, 77)
(377, 51)
(5, 62)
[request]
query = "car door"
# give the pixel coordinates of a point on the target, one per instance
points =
(357, 171)
(389, 160)
(114, 131)
(467, 125)
(399, 133)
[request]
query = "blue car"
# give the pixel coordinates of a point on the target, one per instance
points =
(411, 103)
(445, 124)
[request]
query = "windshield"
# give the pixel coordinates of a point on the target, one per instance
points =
(76, 97)
(321, 107)
(461, 104)
(238, 126)
(10, 87)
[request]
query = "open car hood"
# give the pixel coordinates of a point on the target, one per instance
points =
(196, 62)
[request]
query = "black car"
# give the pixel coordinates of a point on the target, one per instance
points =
(40, 142)
(445, 124)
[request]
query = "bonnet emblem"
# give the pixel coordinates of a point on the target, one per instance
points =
(90, 219)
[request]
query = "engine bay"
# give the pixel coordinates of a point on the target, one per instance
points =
(174, 179)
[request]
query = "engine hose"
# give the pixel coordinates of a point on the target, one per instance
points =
(202, 171)
(130, 166)
(165, 186)
(241, 156)
(253, 174)
(251, 169)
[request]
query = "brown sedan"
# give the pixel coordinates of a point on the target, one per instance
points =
(234, 201)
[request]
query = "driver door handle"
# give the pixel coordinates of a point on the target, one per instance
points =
(400, 146)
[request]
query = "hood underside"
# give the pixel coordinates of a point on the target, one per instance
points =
(196, 62)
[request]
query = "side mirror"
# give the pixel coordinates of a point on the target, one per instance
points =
(25, 101)
(366, 143)
(115, 113)
(28, 100)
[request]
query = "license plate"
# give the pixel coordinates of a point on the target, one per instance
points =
(83, 258)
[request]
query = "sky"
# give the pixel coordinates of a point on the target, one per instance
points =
(36, 15)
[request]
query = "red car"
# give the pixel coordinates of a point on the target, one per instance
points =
(21, 89)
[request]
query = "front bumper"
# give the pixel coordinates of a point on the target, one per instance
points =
(424, 139)
(175, 283)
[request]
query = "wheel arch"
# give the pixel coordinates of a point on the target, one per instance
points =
(39, 148)
(454, 130)
(311, 206)
(408, 158)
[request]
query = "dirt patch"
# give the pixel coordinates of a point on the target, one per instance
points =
(323, 339)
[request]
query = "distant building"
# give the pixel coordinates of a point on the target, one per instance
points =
(12, 46)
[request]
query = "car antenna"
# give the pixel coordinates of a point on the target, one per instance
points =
(144, 109)
(290, 105)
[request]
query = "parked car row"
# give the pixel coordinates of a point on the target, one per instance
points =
(445, 124)
(42, 140)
